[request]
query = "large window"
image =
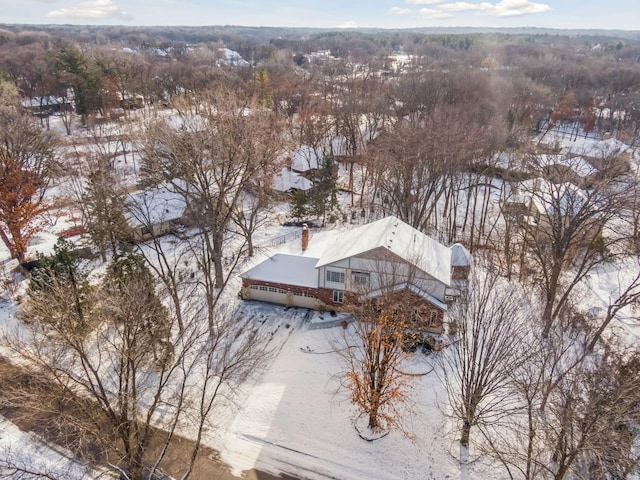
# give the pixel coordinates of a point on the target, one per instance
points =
(338, 296)
(335, 277)
(360, 278)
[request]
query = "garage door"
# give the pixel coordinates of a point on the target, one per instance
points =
(268, 294)
(279, 296)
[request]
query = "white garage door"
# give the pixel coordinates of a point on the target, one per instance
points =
(279, 296)
(268, 294)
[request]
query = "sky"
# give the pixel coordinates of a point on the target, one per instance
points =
(590, 14)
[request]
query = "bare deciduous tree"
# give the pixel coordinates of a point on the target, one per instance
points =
(130, 375)
(213, 161)
(488, 345)
(569, 240)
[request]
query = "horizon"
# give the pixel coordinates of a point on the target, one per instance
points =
(617, 15)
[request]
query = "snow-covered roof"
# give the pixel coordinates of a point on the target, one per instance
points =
(286, 180)
(547, 196)
(460, 256)
(44, 101)
(398, 237)
(286, 269)
(304, 158)
(232, 58)
(579, 165)
(411, 287)
(150, 207)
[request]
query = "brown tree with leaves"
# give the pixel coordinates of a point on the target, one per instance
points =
(26, 154)
(378, 387)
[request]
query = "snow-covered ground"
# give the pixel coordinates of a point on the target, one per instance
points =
(295, 420)
(292, 418)
(25, 452)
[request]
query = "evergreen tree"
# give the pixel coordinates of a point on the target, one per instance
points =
(298, 202)
(324, 194)
(59, 291)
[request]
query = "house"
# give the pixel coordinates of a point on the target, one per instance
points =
(156, 212)
(384, 257)
(286, 181)
(47, 105)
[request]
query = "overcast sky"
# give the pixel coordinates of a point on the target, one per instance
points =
(607, 14)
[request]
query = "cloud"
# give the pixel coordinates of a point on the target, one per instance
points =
(504, 8)
(512, 8)
(400, 11)
(432, 14)
(459, 7)
(93, 10)
(350, 24)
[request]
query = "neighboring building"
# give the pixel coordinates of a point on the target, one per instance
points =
(289, 181)
(152, 213)
(380, 258)
(47, 105)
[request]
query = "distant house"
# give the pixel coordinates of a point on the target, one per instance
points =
(380, 258)
(289, 181)
(47, 105)
(153, 213)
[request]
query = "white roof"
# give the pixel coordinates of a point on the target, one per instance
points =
(287, 180)
(305, 158)
(579, 165)
(547, 196)
(398, 237)
(460, 256)
(150, 207)
(286, 269)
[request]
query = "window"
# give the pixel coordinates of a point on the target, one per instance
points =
(433, 317)
(338, 296)
(263, 288)
(360, 278)
(335, 277)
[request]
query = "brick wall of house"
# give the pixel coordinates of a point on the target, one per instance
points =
(294, 289)
(324, 297)
(460, 273)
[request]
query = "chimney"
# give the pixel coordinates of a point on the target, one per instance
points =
(305, 236)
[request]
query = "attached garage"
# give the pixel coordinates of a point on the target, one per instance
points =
(284, 280)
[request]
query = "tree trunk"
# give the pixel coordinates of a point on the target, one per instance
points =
(466, 431)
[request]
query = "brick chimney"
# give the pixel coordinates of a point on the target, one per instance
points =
(305, 236)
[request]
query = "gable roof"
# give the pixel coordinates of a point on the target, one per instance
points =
(398, 237)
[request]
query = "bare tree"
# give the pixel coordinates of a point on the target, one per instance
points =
(130, 375)
(569, 240)
(213, 161)
(582, 427)
(488, 344)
